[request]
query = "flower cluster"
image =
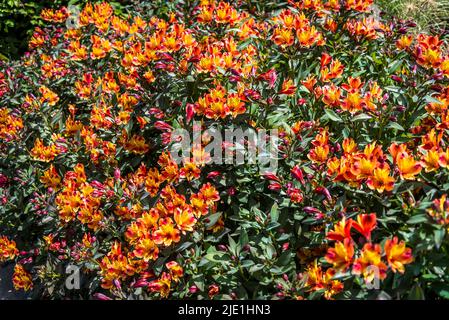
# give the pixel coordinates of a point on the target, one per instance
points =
(90, 179)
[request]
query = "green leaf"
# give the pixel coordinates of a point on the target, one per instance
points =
(332, 115)
(395, 125)
(438, 236)
(442, 290)
(212, 219)
(243, 240)
(232, 246)
(416, 293)
(419, 218)
(247, 263)
(274, 213)
(394, 66)
(361, 117)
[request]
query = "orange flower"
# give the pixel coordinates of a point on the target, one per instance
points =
(309, 82)
(363, 167)
(319, 154)
(317, 280)
(349, 146)
(365, 224)
(22, 278)
(308, 36)
(51, 178)
(353, 102)
(8, 249)
(166, 233)
(358, 5)
(381, 180)
(431, 160)
(444, 159)
(100, 48)
(370, 263)
(209, 194)
(115, 266)
(48, 96)
(185, 220)
(283, 36)
(10, 125)
(408, 167)
(146, 249)
(43, 153)
(404, 42)
(331, 95)
(444, 67)
(288, 87)
(397, 150)
(137, 145)
(190, 171)
(342, 230)
(53, 15)
(341, 255)
(397, 254)
(161, 285)
(176, 271)
(199, 205)
(334, 71)
(431, 140)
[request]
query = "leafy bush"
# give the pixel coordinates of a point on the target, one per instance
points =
(356, 209)
(19, 18)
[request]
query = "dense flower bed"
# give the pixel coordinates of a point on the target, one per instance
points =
(356, 209)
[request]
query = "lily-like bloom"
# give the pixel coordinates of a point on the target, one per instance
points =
(146, 249)
(283, 37)
(397, 254)
(176, 271)
(8, 249)
(342, 230)
(398, 150)
(331, 95)
(319, 154)
(42, 152)
(431, 160)
(209, 194)
(341, 256)
(365, 224)
(21, 278)
(167, 233)
(50, 178)
(190, 171)
(185, 219)
(381, 180)
(317, 279)
(408, 167)
(444, 159)
(288, 87)
(363, 167)
(370, 263)
(48, 96)
(161, 285)
(297, 174)
(404, 42)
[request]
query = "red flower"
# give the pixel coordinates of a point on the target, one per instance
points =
(365, 224)
(297, 174)
(342, 230)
